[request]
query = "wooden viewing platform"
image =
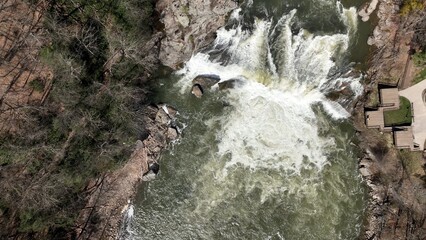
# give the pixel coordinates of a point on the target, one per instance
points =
(375, 119)
(404, 138)
(389, 98)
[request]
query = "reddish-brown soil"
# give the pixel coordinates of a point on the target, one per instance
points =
(21, 38)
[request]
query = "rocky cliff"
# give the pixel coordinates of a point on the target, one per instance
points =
(189, 25)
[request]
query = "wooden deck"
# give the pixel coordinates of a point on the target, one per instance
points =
(389, 98)
(404, 138)
(375, 119)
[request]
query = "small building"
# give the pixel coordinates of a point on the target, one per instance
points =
(403, 138)
(389, 98)
(375, 119)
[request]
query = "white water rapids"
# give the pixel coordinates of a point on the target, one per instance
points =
(272, 164)
(272, 123)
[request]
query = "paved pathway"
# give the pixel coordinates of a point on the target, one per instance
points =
(414, 94)
(408, 75)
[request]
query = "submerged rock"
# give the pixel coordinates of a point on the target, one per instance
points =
(231, 83)
(172, 133)
(202, 83)
(154, 167)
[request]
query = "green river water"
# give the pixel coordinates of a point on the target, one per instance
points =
(274, 158)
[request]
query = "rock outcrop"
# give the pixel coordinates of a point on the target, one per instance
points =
(190, 25)
(396, 206)
(367, 10)
(388, 14)
(187, 26)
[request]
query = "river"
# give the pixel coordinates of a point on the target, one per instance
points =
(274, 158)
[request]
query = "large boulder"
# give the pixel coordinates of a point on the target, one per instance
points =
(206, 81)
(169, 110)
(197, 91)
(172, 133)
(202, 83)
(162, 117)
(165, 114)
(367, 10)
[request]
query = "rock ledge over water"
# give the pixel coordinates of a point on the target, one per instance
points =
(189, 26)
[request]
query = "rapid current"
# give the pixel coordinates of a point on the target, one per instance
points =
(274, 158)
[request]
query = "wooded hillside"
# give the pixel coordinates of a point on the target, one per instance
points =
(72, 93)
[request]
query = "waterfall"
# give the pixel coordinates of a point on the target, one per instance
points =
(274, 109)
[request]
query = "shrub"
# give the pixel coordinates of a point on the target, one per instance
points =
(420, 76)
(409, 6)
(419, 58)
(37, 84)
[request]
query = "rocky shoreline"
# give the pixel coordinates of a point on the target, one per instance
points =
(396, 208)
(111, 195)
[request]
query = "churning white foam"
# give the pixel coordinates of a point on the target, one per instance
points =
(130, 212)
(235, 15)
(304, 60)
(348, 16)
(271, 129)
(273, 124)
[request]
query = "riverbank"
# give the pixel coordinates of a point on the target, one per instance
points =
(395, 177)
(110, 196)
